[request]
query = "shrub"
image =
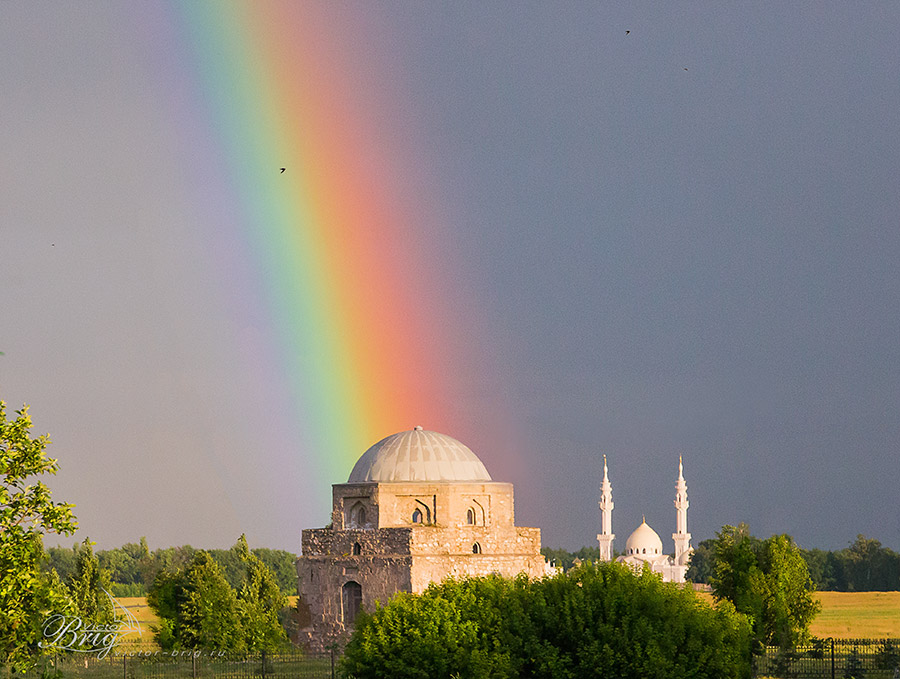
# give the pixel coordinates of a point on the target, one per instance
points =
(594, 621)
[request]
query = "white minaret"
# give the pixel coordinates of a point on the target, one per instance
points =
(681, 536)
(606, 537)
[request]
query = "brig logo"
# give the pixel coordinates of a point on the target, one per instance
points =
(69, 633)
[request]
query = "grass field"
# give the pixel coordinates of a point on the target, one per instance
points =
(844, 615)
(858, 615)
(855, 615)
(137, 606)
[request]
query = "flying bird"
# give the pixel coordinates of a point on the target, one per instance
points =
(283, 169)
(627, 32)
(685, 69)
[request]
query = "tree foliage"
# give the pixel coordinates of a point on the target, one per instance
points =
(565, 559)
(260, 601)
(88, 588)
(865, 566)
(199, 609)
(27, 512)
(702, 564)
(768, 581)
(594, 621)
(133, 567)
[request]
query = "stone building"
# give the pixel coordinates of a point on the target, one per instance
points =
(644, 545)
(418, 507)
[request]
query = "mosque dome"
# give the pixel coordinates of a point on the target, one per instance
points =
(419, 455)
(644, 541)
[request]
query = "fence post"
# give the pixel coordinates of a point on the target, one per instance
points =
(832, 658)
(264, 664)
(124, 665)
(194, 664)
(332, 662)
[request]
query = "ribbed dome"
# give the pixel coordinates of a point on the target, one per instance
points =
(643, 542)
(418, 455)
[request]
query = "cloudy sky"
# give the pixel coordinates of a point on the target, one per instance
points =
(679, 226)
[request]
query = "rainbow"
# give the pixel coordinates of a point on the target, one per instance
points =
(341, 250)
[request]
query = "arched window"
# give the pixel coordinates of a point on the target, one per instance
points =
(417, 516)
(357, 549)
(358, 516)
(476, 548)
(351, 601)
(645, 550)
(470, 516)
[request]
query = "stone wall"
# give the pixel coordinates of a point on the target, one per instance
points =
(510, 540)
(443, 504)
(382, 568)
(390, 553)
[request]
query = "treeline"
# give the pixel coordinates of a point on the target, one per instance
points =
(864, 566)
(133, 568)
(565, 559)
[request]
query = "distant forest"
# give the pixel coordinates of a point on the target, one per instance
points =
(133, 567)
(864, 566)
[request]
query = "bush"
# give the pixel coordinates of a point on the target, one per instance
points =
(594, 621)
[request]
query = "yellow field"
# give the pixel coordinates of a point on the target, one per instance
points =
(858, 615)
(844, 615)
(137, 606)
(854, 615)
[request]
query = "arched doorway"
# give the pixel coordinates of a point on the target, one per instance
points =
(351, 601)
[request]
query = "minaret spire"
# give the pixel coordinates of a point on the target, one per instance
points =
(605, 537)
(681, 536)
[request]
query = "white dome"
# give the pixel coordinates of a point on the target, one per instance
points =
(643, 542)
(418, 455)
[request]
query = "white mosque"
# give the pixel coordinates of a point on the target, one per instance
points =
(644, 545)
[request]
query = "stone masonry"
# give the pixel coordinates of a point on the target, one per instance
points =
(387, 537)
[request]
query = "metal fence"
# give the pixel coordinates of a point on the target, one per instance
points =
(822, 659)
(833, 659)
(185, 665)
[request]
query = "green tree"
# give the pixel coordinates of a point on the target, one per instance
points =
(27, 512)
(259, 602)
(597, 620)
(61, 560)
(737, 576)
(824, 570)
(196, 607)
(768, 581)
(210, 611)
(565, 559)
(414, 636)
(283, 564)
(702, 565)
(789, 606)
(231, 563)
(88, 588)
